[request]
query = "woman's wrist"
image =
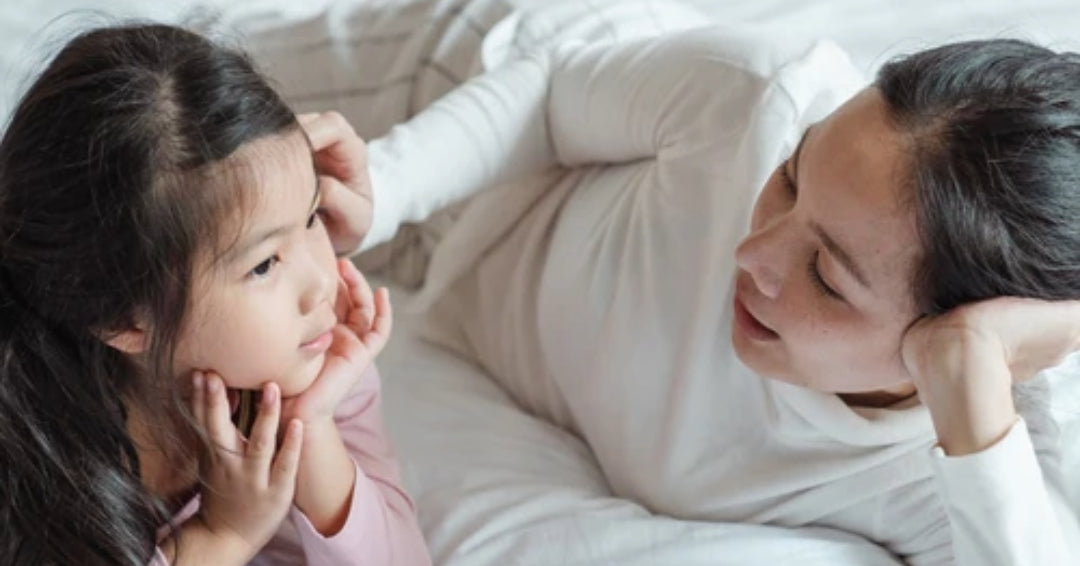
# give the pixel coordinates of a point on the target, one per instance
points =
(969, 396)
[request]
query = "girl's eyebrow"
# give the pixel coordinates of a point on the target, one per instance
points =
(241, 249)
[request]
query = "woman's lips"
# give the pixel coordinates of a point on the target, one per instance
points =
(751, 326)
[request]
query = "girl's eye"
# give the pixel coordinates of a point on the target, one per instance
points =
(264, 268)
(315, 218)
(819, 281)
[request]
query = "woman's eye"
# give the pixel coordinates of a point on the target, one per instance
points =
(264, 267)
(785, 178)
(819, 281)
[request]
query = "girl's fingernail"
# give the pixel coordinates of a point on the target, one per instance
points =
(197, 380)
(269, 394)
(295, 428)
(213, 384)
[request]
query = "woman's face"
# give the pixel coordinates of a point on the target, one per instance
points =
(823, 292)
(263, 312)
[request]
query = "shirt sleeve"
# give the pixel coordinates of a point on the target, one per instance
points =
(1004, 509)
(572, 105)
(381, 527)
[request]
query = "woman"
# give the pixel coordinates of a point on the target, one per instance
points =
(848, 361)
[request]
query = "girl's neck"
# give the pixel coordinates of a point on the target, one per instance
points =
(161, 473)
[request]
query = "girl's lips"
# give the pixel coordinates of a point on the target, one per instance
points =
(751, 326)
(320, 343)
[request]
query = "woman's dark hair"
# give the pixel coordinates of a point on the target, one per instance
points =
(995, 165)
(106, 198)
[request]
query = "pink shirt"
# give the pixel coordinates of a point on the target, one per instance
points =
(381, 528)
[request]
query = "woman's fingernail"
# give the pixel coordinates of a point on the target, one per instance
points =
(269, 394)
(213, 384)
(197, 380)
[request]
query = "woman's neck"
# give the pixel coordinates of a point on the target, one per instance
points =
(882, 398)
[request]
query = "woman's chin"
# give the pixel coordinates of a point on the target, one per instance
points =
(764, 365)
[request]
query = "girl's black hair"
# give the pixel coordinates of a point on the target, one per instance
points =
(995, 166)
(107, 194)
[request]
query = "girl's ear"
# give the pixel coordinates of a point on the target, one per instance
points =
(131, 341)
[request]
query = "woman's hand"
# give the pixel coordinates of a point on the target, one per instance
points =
(250, 482)
(965, 362)
(365, 323)
(341, 164)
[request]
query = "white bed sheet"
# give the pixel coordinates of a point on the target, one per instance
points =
(494, 485)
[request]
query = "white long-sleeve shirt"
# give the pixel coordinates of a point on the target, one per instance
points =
(595, 284)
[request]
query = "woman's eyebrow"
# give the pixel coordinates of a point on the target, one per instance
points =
(797, 155)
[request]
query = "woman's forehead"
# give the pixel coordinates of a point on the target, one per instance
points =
(853, 171)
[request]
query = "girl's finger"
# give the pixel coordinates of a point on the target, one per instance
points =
(287, 461)
(368, 303)
(218, 416)
(263, 439)
(345, 353)
(383, 324)
(198, 398)
(360, 295)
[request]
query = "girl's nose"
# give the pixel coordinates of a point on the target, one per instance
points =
(320, 286)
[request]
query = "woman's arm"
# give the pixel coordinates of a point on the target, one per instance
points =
(576, 104)
(1005, 504)
(1005, 508)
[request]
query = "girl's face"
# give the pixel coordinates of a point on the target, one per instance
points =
(264, 310)
(822, 292)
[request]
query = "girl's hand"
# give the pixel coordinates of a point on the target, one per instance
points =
(363, 330)
(341, 163)
(965, 362)
(250, 484)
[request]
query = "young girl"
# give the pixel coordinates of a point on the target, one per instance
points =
(162, 249)
(758, 302)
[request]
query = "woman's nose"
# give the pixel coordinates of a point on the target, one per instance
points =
(761, 255)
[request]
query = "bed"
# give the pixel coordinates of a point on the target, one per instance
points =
(493, 484)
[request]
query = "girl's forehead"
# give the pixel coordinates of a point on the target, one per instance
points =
(268, 182)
